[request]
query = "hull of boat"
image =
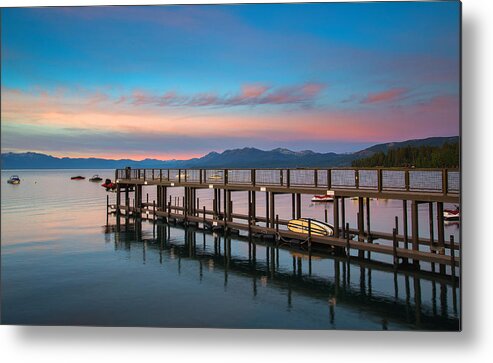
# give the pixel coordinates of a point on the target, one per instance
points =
(322, 199)
(451, 216)
(318, 228)
(13, 181)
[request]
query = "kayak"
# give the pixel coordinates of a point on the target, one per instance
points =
(322, 198)
(317, 228)
(78, 177)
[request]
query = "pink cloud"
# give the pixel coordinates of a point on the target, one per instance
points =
(385, 96)
(249, 95)
(58, 112)
(253, 90)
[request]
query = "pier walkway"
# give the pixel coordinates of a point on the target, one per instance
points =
(412, 186)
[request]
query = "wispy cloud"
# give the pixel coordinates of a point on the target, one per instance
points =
(392, 94)
(249, 95)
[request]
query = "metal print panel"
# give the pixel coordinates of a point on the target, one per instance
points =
(279, 166)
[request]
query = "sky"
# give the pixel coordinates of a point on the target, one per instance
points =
(175, 82)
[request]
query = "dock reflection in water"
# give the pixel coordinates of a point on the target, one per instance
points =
(314, 291)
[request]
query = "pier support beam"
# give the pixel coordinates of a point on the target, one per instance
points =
(336, 217)
(298, 205)
(415, 229)
(272, 211)
(118, 199)
(267, 219)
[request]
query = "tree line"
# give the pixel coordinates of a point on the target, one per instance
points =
(445, 156)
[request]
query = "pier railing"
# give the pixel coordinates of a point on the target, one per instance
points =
(443, 181)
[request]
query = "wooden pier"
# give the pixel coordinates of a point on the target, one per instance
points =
(403, 244)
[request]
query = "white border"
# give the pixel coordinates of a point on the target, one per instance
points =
(82, 344)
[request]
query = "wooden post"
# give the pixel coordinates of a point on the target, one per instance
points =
(253, 177)
(380, 180)
(336, 217)
(404, 218)
(315, 177)
(267, 219)
(444, 181)
(329, 179)
(415, 229)
(430, 219)
(452, 255)
(298, 205)
(440, 225)
(277, 223)
(118, 198)
(272, 209)
(326, 219)
(348, 246)
(406, 180)
(214, 204)
(343, 216)
(230, 209)
(309, 232)
(368, 219)
(293, 206)
(356, 178)
(394, 247)
(361, 227)
(288, 178)
(254, 207)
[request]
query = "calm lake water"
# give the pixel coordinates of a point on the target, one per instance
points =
(62, 264)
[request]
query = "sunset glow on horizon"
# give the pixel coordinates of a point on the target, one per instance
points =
(161, 82)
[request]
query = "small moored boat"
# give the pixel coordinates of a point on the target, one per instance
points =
(95, 178)
(323, 198)
(109, 185)
(317, 228)
(14, 179)
(451, 214)
(78, 177)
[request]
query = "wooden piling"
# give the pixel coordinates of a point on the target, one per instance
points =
(272, 209)
(343, 215)
(452, 255)
(415, 229)
(348, 246)
(293, 206)
(394, 249)
(336, 217)
(267, 210)
(298, 205)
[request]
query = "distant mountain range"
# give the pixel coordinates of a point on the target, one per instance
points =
(236, 158)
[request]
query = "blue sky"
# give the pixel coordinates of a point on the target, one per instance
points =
(327, 77)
